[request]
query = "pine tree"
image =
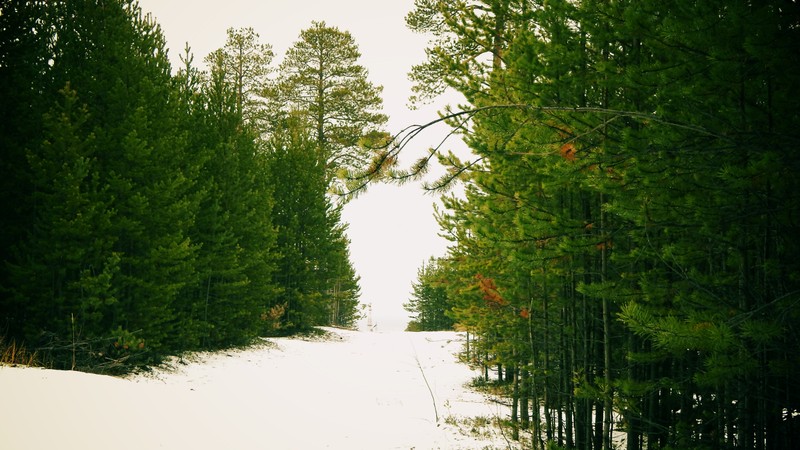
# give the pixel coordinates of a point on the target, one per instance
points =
(320, 79)
(125, 172)
(27, 95)
(233, 227)
(428, 303)
(146, 166)
(316, 277)
(64, 266)
(245, 65)
(341, 288)
(601, 129)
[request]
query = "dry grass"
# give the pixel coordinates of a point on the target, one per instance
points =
(13, 354)
(478, 427)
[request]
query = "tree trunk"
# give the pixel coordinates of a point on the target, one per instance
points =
(515, 407)
(525, 418)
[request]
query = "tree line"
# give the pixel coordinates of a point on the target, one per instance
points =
(429, 302)
(149, 211)
(624, 256)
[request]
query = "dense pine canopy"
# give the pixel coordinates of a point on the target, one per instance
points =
(148, 212)
(625, 252)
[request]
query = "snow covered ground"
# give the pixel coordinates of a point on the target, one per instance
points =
(353, 390)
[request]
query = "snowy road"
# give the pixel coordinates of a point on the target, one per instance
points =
(355, 391)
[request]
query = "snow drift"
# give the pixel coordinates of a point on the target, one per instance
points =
(352, 390)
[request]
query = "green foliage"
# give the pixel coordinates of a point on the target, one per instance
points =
(317, 281)
(320, 79)
(428, 304)
(244, 64)
(233, 226)
(143, 214)
(105, 230)
(628, 199)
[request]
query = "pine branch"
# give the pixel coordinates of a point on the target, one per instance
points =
(387, 156)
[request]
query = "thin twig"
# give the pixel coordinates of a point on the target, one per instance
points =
(430, 391)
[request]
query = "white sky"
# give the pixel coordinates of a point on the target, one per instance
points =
(392, 229)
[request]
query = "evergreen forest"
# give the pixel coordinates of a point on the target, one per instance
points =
(624, 239)
(624, 255)
(150, 210)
